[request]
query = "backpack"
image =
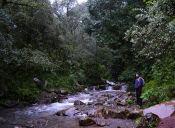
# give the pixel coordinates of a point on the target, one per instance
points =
(142, 80)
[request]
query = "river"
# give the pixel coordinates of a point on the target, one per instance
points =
(21, 115)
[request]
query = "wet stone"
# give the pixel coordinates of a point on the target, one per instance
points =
(78, 102)
(148, 120)
(86, 122)
(135, 114)
(163, 110)
(68, 112)
(64, 92)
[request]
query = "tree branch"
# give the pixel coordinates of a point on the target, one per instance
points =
(5, 2)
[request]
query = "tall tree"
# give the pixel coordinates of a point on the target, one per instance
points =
(109, 19)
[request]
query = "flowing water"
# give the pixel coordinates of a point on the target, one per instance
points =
(21, 115)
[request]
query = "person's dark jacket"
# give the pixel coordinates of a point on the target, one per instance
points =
(138, 82)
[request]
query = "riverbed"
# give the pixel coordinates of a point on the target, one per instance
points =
(44, 114)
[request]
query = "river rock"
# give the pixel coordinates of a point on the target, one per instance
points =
(86, 122)
(91, 113)
(78, 102)
(99, 113)
(47, 98)
(122, 103)
(163, 110)
(135, 114)
(55, 90)
(131, 94)
(148, 120)
(64, 92)
(79, 87)
(108, 95)
(93, 88)
(110, 102)
(99, 103)
(115, 113)
(122, 114)
(125, 96)
(62, 112)
(68, 112)
(38, 83)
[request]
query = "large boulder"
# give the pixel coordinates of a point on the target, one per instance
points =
(86, 122)
(112, 113)
(119, 113)
(149, 120)
(163, 110)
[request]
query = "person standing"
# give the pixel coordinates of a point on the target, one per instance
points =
(138, 86)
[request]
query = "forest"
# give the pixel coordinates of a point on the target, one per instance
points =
(64, 44)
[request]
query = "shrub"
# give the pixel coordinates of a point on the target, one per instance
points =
(155, 96)
(162, 70)
(61, 82)
(27, 94)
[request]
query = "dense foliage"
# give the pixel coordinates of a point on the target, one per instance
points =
(155, 42)
(41, 40)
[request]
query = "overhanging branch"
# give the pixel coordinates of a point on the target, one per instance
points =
(5, 2)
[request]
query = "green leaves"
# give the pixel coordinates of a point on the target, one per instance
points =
(153, 39)
(162, 70)
(155, 96)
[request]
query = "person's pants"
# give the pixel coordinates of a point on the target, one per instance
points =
(138, 95)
